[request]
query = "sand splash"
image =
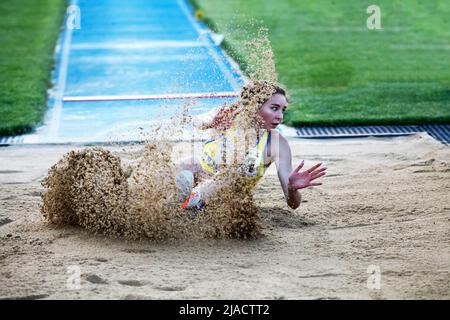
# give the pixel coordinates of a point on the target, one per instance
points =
(89, 188)
(93, 189)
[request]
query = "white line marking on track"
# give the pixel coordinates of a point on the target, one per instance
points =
(139, 45)
(61, 83)
(153, 96)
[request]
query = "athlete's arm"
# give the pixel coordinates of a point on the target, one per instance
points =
(293, 180)
(282, 154)
(204, 121)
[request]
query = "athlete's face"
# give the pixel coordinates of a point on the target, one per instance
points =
(272, 111)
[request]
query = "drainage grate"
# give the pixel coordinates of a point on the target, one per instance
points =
(6, 141)
(440, 132)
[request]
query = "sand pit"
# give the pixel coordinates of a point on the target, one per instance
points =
(384, 205)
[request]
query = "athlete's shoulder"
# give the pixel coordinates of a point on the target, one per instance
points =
(278, 142)
(275, 134)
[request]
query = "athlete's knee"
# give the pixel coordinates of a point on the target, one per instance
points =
(189, 163)
(185, 183)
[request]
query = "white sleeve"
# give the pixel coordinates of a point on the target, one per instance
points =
(205, 118)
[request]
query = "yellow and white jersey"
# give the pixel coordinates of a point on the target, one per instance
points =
(221, 150)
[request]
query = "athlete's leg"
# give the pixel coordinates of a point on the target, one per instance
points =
(189, 174)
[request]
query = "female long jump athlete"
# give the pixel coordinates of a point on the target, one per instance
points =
(251, 125)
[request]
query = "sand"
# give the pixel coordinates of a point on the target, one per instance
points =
(384, 205)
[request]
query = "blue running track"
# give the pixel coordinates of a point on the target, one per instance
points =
(130, 64)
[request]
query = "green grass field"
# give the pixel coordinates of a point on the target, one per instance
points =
(28, 33)
(337, 71)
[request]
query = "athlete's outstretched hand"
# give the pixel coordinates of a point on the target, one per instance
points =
(300, 180)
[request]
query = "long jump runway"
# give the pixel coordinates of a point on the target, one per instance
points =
(130, 64)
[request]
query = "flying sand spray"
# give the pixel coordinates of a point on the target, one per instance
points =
(93, 189)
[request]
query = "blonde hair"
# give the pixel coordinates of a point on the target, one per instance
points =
(252, 96)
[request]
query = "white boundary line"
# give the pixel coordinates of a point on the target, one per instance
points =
(236, 67)
(61, 83)
(138, 45)
(226, 72)
(153, 96)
